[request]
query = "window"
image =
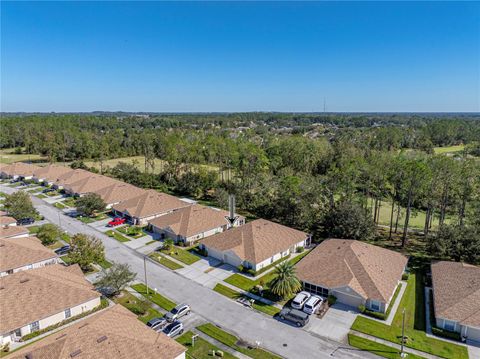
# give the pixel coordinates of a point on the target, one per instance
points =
(323, 292)
(271, 260)
(375, 305)
(449, 325)
(34, 326)
(68, 313)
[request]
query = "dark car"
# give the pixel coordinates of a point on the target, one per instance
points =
(173, 329)
(294, 315)
(48, 190)
(157, 324)
(25, 221)
(62, 250)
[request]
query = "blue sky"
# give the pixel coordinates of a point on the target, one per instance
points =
(177, 56)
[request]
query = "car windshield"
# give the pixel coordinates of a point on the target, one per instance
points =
(170, 327)
(175, 311)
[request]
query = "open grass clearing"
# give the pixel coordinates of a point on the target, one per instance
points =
(414, 303)
(8, 155)
(164, 261)
(233, 342)
(154, 297)
(201, 348)
(448, 149)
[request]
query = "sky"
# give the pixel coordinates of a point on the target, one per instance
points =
(248, 56)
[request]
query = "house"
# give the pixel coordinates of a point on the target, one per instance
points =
(17, 254)
(13, 232)
(6, 221)
(256, 244)
(18, 170)
(89, 184)
(192, 223)
(3, 213)
(112, 333)
(118, 192)
(356, 273)
(35, 299)
(71, 177)
(147, 206)
(50, 174)
(456, 298)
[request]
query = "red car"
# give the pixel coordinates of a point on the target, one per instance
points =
(116, 222)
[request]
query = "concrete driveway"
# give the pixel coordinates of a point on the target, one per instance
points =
(207, 272)
(335, 324)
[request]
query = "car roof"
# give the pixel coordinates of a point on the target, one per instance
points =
(299, 313)
(313, 299)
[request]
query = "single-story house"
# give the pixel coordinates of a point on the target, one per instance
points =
(256, 244)
(13, 232)
(112, 333)
(3, 213)
(456, 298)
(6, 221)
(192, 223)
(118, 192)
(71, 177)
(50, 173)
(89, 184)
(35, 299)
(356, 273)
(147, 206)
(18, 170)
(17, 254)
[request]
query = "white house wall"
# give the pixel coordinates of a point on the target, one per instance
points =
(32, 266)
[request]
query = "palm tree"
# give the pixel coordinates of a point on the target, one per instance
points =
(286, 282)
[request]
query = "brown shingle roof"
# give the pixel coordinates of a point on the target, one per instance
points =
(150, 203)
(456, 292)
(12, 231)
(73, 176)
(51, 172)
(5, 220)
(90, 184)
(256, 241)
(19, 169)
(119, 192)
(112, 333)
(19, 252)
(31, 295)
(372, 271)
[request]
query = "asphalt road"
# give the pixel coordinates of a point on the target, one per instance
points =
(278, 337)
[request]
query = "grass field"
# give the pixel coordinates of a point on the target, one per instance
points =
(414, 303)
(7, 155)
(201, 348)
(448, 149)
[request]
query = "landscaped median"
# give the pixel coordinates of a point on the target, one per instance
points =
(164, 261)
(233, 342)
(201, 349)
(414, 303)
(113, 234)
(154, 297)
(377, 348)
(260, 306)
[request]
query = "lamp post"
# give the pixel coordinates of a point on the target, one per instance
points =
(402, 353)
(145, 270)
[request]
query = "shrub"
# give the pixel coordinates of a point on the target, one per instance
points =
(376, 315)
(446, 334)
(252, 272)
(331, 299)
(300, 249)
(405, 276)
(361, 308)
(241, 268)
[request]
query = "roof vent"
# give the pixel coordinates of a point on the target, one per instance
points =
(61, 336)
(24, 280)
(75, 353)
(102, 339)
(29, 356)
(2, 287)
(83, 326)
(2, 245)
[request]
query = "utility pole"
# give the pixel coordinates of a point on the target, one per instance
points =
(145, 270)
(402, 353)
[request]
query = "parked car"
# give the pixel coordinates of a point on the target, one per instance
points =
(48, 190)
(178, 312)
(312, 304)
(157, 324)
(173, 329)
(62, 250)
(300, 299)
(116, 222)
(295, 316)
(25, 221)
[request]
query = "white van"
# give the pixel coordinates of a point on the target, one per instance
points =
(312, 304)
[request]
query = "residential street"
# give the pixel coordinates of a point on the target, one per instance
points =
(278, 337)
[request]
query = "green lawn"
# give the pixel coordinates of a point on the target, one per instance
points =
(33, 229)
(231, 341)
(104, 264)
(448, 149)
(201, 347)
(232, 294)
(55, 245)
(164, 261)
(134, 305)
(156, 298)
(69, 202)
(93, 219)
(117, 236)
(8, 155)
(414, 303)
(35, 190)
(131, 231)
(182, 255)
(60, 205)
(40, 195)
(376, 348)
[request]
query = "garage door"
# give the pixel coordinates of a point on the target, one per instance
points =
(473, 334)
(348, 299)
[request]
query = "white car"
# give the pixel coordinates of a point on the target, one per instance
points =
(312, 304)
(300, 299)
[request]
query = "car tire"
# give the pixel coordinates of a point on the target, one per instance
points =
(282, 317)
(298, 324)
(187, 313)
(180, 332)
